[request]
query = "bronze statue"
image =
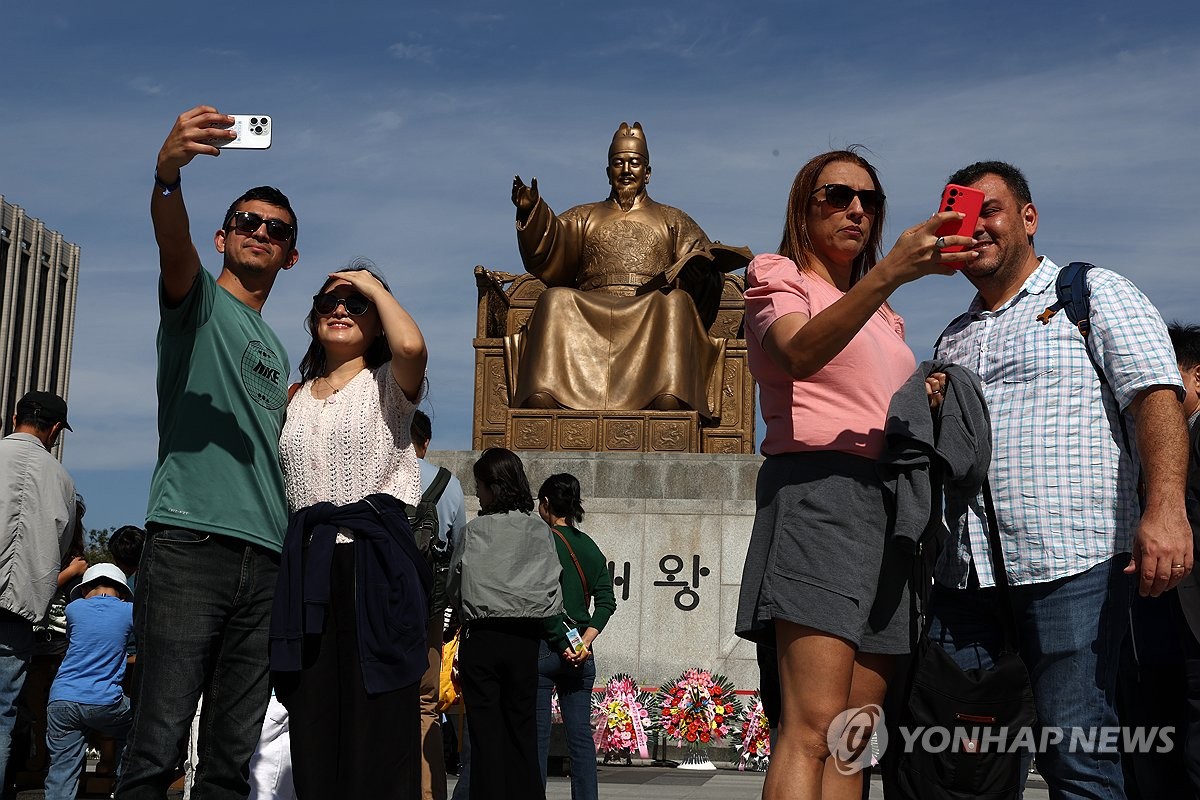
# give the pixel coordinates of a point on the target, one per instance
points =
(634, 287)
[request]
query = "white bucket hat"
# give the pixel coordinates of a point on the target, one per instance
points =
(109, 572)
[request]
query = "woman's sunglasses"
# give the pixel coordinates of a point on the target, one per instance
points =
(327, 302)
(248, 222)
(840, 196)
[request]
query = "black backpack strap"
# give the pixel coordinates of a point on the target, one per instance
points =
(1073, 296)
(1006, 611)
(435, 490)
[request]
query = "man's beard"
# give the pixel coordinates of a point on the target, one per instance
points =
(625, 194)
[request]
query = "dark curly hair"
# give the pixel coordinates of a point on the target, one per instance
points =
(561, 493)
(502, 472)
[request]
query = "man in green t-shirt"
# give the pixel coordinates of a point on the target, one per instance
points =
(217, 511)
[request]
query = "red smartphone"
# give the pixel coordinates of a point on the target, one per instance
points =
(967, 201)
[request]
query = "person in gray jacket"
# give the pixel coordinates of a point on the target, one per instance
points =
(37, 520)
(504, 581)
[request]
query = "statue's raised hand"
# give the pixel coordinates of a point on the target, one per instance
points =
(524, 197)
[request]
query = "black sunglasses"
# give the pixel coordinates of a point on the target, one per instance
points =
(327, 302)
(248, 222)
(840, 196)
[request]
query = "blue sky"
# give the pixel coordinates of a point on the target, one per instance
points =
(398, 130)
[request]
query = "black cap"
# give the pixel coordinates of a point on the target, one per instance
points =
(46, 406)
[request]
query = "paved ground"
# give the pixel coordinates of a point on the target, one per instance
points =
(657, 783)
(661, 783)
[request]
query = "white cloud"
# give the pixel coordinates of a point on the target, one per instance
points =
(407, 51)
(147, 86)
(385, 122)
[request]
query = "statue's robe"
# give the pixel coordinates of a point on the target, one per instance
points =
(621, 324)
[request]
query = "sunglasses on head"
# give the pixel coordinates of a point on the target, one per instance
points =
(840, 196)
(327, 302)
(248, 222)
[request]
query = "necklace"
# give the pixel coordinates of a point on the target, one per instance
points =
(335, 389)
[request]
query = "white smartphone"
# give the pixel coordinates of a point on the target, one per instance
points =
(253, 133)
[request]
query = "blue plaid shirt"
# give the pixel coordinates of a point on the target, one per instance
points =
(1063, 481)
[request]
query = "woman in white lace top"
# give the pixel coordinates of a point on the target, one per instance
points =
(347, 437)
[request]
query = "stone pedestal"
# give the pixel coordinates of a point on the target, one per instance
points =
(675, 529)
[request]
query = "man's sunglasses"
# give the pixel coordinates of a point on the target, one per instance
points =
(327, 302)
(840, 196)
(248, 222)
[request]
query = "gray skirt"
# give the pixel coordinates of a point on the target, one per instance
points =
(819, 555)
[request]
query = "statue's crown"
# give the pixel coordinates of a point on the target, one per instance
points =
(629, 139)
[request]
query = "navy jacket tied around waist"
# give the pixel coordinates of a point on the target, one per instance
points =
(392, 585)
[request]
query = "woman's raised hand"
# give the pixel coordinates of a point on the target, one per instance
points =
(364, 283)
(918, 251)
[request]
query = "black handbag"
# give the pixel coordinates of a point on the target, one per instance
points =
(977, 714)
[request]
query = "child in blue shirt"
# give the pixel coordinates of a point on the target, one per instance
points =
(87, 692)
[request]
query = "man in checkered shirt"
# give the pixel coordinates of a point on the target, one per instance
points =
(1064, 476)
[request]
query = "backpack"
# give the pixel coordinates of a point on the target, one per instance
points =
(423, 518)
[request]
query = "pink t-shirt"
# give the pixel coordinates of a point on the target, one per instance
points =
(842, 406)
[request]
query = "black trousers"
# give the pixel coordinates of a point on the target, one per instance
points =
(347, 744)
(499, 674)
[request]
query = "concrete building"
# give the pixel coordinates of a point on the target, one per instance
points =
(39, 280)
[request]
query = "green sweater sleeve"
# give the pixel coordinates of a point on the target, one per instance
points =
(556, 632)
(603, 597)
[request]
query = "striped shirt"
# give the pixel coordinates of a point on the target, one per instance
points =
(1063, 479)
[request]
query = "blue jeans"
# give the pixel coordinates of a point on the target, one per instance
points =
(575, 701)
(1070, 632)
(67, 725)
(200, 615)
(16, 648)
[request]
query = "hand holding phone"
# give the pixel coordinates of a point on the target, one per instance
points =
(964, 200)
(253, 133)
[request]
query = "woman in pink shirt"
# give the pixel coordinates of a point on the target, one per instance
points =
(828, 353)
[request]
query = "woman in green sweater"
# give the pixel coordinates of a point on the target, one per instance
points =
(588, 602)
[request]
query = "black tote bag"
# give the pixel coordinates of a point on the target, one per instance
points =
(987, 707)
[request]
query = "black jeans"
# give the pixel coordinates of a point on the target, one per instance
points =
(200, 612)
(498, 667)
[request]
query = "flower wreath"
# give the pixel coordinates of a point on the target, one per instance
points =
(754, 742)
(621, 718)
(698, 707)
